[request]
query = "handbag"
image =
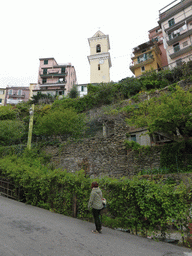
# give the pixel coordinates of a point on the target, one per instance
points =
(104, 202)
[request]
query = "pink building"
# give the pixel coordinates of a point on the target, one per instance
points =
(156, 34)
(16, 94)
(55, 79)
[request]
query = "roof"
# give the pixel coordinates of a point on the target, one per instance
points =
(47, 58)
(143, 46)
(99, 35)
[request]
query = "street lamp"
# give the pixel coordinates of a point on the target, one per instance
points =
(31, 113)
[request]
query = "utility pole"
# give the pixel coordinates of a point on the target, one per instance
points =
(31, 113)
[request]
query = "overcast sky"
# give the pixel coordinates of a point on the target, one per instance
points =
(58, 28)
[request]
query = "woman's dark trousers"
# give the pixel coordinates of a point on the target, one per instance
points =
(97, 218)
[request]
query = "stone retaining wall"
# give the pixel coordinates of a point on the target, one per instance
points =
(104, 155)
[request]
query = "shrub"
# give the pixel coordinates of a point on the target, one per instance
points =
(8, 113)
(11, 132)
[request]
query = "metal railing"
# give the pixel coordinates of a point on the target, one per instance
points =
(9, 190)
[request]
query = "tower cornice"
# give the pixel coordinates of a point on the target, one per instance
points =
(98, 36)
(100, 56)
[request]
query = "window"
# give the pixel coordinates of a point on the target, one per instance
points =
(45, 62)
(82, 88)
(44, 71)
(155, 39)
(176, 47)
(10, 92)
(99, 67)
(1, 91)
(19, 92)
(171, 22)
(185, 43)
(133, 138)
(63, 70)
(98, 48)
(0, 101)
(143, 68)
(44, 81)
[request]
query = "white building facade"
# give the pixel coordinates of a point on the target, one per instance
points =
(176, 22)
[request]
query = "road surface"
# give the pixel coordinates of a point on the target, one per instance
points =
(28, 230)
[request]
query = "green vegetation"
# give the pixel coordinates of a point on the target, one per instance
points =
(169, 113)
(41, 98)
(11, 132)
(172, 112)
(137, 204)
(132, 145)
(177, 156)
(58, 123)
(8, 113)
(73, 92)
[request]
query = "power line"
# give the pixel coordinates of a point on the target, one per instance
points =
(120, 56)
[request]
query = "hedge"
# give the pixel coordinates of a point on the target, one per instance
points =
(136, 204)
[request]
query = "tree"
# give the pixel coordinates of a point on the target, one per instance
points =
(73, 92)
(41, 98)
(59, 123)
(170, 113)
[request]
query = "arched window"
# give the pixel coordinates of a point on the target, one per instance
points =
(98, 48)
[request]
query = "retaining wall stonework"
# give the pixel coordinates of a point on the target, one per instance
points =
(104, 155)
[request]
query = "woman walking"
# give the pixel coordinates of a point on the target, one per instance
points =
(95, 202)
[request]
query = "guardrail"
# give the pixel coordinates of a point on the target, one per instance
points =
(9, 190)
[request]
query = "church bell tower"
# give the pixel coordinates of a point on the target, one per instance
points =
(99, 58)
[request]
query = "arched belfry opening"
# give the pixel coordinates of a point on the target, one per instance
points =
(98, 48)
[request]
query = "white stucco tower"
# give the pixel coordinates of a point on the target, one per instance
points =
(99, 58)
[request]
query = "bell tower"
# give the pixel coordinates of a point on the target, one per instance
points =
(99, 58)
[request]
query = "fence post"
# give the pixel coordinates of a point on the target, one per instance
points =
(74, 205)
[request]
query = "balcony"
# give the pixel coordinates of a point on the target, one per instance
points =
(178, 52)
(58, 84)
(52, 73)
(178, 24)
(179, 37)
(13, 102)
(172, 9)
(15, 95)
(142, 60)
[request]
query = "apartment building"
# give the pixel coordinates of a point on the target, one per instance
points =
(156, 35)
(146, 56)
(175, 20)
(55, 79)
(16, 94)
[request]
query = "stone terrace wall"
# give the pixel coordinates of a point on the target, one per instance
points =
(104, 155)
(107, 155)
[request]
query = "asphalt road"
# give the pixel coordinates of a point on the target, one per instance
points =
(28, 230)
